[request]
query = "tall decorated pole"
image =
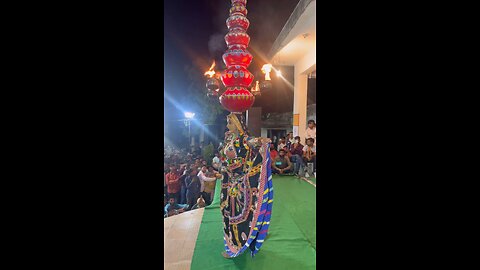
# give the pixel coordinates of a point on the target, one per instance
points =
(236, 78)
(246, 197)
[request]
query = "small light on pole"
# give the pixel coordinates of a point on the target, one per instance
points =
(267, 68)
(189, 116)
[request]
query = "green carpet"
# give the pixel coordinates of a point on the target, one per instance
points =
(291, 240)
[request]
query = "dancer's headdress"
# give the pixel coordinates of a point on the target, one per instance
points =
(234, 120)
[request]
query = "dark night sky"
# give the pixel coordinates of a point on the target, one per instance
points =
(194, 32)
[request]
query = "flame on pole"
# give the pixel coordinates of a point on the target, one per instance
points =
(210, 72)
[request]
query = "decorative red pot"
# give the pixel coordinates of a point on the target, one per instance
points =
(242, 2)
(237, 99)
(237, 76)
(238, 21)
(237, 37)
(238, 8)
(237, 57)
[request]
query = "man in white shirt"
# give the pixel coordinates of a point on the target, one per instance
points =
(281, 144)
(203, 178)
(311, 131)
(290, 140)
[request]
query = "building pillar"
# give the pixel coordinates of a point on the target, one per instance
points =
(254, 121)
(300, 105)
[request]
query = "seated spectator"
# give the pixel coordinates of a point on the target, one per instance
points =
(200, 203)
(273, 152)
(281, 164)
(164, 204)
(173, 208)
(296, 153)
(310, 154)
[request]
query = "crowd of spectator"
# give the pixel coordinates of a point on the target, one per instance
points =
(189, 180)
(290, 157)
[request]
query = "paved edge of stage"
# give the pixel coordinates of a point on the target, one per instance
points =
(180, 235)
(179, 241)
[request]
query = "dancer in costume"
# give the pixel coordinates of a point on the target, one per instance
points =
(247, 193)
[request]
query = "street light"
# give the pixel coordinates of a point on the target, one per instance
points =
(189, 116)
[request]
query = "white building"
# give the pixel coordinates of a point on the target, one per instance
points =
(296, 46)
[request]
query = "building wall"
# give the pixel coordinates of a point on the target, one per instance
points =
(277, 120)
(254, 121)
(282, 121)
(263, 133)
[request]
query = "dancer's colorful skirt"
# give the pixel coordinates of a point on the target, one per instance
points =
(246, 205)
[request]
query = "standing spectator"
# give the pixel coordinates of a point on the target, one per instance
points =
(281, 144)
(198, 163)
(203, 178)
(183, 188)
(193, 186)
(310, 154)
(165, 172)
(173, 183)
(296, 151)
(273, 152)
(216, 161)
(311, 131)
(275, 141)
(290, 140)
(210, 186)
(281, 164)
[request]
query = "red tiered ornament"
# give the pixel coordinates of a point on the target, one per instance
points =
(236, 77)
